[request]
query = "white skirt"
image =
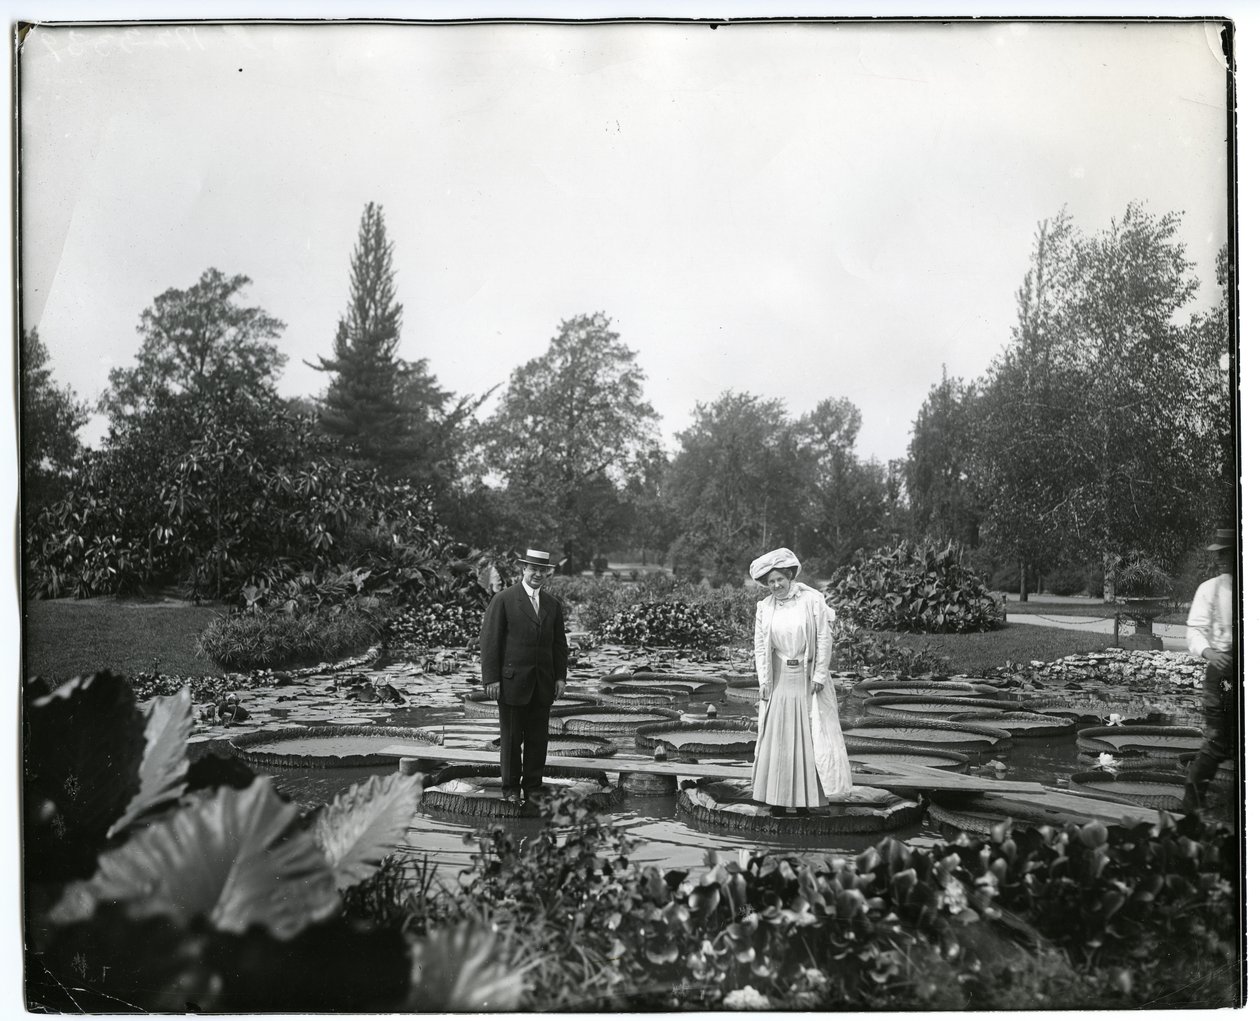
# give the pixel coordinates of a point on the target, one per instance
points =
(784, 768)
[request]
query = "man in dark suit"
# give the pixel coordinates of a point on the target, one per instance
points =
(524, 661)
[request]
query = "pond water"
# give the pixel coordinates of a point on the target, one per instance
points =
(664, 838)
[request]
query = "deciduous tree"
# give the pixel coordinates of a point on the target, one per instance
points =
(572, 422)
(197, 339)
(50, 419)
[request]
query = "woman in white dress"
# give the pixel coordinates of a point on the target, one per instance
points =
(800, 760)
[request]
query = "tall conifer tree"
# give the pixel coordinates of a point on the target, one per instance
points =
(384, 409)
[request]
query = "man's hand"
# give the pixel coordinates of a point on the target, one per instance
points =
(559, 689)
(492, 691)
(1220, 660)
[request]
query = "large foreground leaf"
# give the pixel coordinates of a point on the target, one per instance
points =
(458, 970)
(365, 824)
(221, 859)
(164, 769)
(82, 745)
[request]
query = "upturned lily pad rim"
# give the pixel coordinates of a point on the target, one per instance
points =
(856, 746)
(1098, 781)
(242, 748)
(696, 684)
(893, 814)
(964, 704)
(675, 694)
(560, 725)
(944, 687)
(1044, 725)
(592, 746)
(907, 716)
(1105, 739)
(985, 810)
(648, 735)
(450, 803)
(890, 723)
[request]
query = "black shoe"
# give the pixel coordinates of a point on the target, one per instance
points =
(778, 810)
(803, 811)
(512, 796)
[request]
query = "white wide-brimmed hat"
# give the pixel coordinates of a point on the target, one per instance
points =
(777, 559)
(537, 557)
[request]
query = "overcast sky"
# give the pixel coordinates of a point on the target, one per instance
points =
(800, 211)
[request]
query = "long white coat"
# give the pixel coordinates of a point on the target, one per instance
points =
(824, 709)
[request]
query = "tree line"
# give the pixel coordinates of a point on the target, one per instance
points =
(1101, 433)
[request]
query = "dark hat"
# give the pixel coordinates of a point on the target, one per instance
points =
(538, 558)
(1223, 539)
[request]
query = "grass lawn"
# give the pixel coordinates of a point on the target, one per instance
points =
(1015, 643)
(65, 637)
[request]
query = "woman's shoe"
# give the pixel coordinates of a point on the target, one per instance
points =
(803, 811)
(777, 810)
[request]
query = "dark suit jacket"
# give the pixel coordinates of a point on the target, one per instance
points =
(519, 650)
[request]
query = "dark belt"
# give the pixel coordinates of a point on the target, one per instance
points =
(792, 662)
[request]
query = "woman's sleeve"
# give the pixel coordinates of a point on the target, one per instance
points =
(822, 660)
(759, 647)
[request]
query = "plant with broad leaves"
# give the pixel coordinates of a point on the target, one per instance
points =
(160, 886)
(924, 589)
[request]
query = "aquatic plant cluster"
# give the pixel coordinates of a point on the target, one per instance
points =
(418, 628)
(169, 885)
(919, 589)
(670, 623)
(1080, 916)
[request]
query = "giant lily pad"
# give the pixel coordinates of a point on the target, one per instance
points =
(950, 689)
(710, 737)
(979, 813)
(697, 685)
(478, 791)
(728, 806)
(334, 747)
(936, 706)
(888, 753)
(478, 704)
(1151, 742)
(591, 746)
(958, 737)
(1023, 724)
(610, 721)
(1152, 788)
(633, 696)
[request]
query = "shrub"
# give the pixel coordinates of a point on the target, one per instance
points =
(674, 623)
(241, 641)
(418, 628)
(1066, 580)
(925, 589)
(223, 491)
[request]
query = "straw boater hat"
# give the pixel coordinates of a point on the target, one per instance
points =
(1224, 539)
(782, 559)
(537, 557)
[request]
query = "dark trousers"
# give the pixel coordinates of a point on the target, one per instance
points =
(1220, 725)
(523, 727)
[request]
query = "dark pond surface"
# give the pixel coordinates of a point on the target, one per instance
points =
(664, 838)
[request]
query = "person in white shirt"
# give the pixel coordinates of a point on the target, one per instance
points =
(1210, 636)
